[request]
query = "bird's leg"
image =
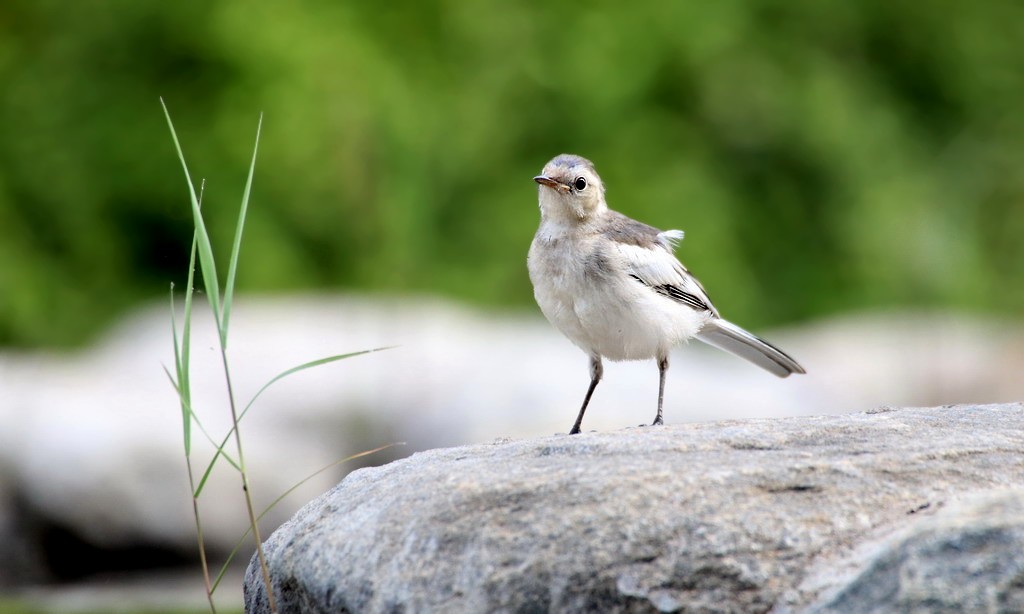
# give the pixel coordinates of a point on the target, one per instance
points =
(662, 369)
(596, 370)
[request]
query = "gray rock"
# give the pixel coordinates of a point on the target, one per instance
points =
(714, 517)
(968, 557)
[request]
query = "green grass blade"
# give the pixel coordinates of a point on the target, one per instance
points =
(182, 351)
(245, 535)
(186, 419)
(209, 470)
(186, 333)
(314, 363)
(236, 248)
(206, 260)
(219, 447)
(304, 366)
(199, 423)
(213, 461)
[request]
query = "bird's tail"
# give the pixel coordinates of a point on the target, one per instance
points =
(733, 339)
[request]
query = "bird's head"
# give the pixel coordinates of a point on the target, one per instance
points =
(570, 190)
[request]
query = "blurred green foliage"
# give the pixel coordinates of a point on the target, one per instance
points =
(820, 156)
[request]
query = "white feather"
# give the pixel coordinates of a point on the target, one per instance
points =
(670, 238)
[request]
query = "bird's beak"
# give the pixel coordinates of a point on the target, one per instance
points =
(544, 180)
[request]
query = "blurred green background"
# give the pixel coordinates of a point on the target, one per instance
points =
(821, 157)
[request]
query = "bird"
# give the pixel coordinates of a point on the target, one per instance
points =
(615, 288)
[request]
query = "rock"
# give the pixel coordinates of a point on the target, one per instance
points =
(968, 557)
(713, 517)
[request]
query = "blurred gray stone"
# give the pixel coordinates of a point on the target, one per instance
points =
(20, 560)
(720, 517)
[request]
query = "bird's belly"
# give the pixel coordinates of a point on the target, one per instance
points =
(618, 322)
(635, 323)
(605, 311)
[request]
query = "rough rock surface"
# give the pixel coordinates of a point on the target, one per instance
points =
(969, 557)
(858, 512)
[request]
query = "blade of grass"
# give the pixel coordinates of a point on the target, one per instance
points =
(206, 260)
(309, 477)
(182, 353)
(186, 333)
(186, 419)
(236, 248)
(278, 377)
(182, 359)
(307, 365)
(199, 423)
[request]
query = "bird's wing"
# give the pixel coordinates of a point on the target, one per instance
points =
(653, 264)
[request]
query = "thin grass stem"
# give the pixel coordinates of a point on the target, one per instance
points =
(210, 587)
(253, 523)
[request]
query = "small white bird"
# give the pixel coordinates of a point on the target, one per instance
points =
(612, 285)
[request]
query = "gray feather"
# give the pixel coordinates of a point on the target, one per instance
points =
(733, 339)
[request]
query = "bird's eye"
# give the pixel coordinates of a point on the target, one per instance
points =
(580, 183)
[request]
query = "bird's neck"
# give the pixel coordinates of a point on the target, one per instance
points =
(562, 226)
(557, 213)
